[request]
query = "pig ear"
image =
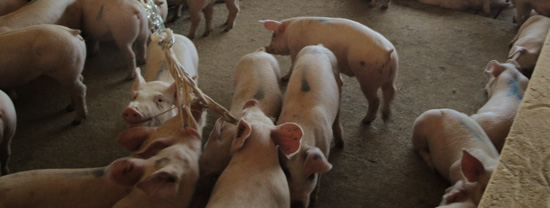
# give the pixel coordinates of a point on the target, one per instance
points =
(133, 138)
(516, 51)
(454, 193)
(171, 90)
(161, 185)
(515, 63)
(124, 172)
(316, 162)
(472, 168)
(273, 25)
(155, 147)
(494, 67)
(139, 80)
(215, 134)
(289, 138)
(241, 135)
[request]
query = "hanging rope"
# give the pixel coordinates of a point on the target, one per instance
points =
(185, 85)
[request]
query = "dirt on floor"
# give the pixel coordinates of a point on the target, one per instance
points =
(442, 55)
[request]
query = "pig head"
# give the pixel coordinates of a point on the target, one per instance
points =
(152, 103)
(166, 172)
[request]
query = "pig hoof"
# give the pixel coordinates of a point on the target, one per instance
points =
(339, 144)
(206, 34)
(76, 122)
(70, 108)
(367, 121)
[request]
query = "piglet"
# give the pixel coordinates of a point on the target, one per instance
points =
(454, 145)
(528, 42)
(207, 7)
(486, 5)
(524, 7)
(8, 123)
(256, 76)
(45, 50)
(253, 177)
(86, 187)
(169, 167)
(505, 89)
(153, 96)
(360, 51)
(8, 6)
(312, 100)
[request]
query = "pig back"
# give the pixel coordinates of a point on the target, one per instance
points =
(61, 12)
(86, 187)
(39, 50)
(340, 36)
(257, 77)
(448, 132)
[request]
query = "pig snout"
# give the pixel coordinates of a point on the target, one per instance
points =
(132, 116)
(268, 49)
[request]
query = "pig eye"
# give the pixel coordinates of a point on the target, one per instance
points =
(274, 35)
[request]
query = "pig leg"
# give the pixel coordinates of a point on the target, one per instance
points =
(208, 13)
(421, 144)
(195, 20)
(388, 91)
(337, 131)
(373, 3)
(77, 90)
(373, 99)
(5, 150)
(233, 7)
(124, 43)
(386, 4)
(293, 55)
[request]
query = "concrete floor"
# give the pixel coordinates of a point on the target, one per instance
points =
(442, 55)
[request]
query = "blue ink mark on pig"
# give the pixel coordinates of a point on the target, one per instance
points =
(323, 20)
(305, 86)
(260, 95)
(514, 88)
(477, 134)
(100, 13)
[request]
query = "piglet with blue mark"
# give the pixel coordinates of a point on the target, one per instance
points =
(455, 146)
(505, 89)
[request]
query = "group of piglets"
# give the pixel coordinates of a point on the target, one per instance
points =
(288, 139)
(465, 149)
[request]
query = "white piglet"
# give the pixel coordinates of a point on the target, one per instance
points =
(256, 77)
(505, 90)
(8, 123)
(254, 177)
(60, 12)
(45, 50)
(454, 145)
(528, 42)
(153, 97)
(360, 51)
(312, 100)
